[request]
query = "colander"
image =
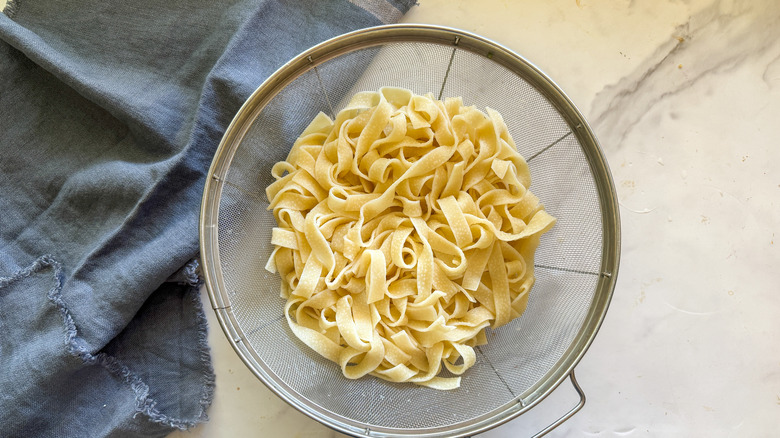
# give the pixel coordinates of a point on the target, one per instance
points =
(576, 262)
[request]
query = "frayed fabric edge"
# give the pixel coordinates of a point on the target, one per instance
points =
(208, 381)
(77, 347)
(11, 6)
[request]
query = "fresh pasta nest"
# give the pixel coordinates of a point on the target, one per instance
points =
(405, 228)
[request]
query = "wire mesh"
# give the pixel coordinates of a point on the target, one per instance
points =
(519, 356)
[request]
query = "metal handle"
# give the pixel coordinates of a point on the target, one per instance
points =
(567, 415)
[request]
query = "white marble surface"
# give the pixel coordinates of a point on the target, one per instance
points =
(685, 99)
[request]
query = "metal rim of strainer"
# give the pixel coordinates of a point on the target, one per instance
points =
(346, 43)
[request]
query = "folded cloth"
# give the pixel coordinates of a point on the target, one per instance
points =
(110, 113)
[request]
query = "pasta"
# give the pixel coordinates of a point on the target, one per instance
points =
(405, 227)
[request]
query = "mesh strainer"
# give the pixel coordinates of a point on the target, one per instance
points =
(576, 262)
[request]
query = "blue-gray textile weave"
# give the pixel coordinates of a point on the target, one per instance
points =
(110, 113)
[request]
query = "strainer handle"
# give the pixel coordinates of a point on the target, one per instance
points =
(567, 415)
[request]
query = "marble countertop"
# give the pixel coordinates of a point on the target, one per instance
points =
(684, 97)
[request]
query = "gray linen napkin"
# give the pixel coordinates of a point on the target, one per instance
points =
(110, 113)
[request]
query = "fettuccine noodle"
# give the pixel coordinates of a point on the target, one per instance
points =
(405, 228)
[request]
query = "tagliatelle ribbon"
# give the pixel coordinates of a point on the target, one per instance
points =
(405, 227)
